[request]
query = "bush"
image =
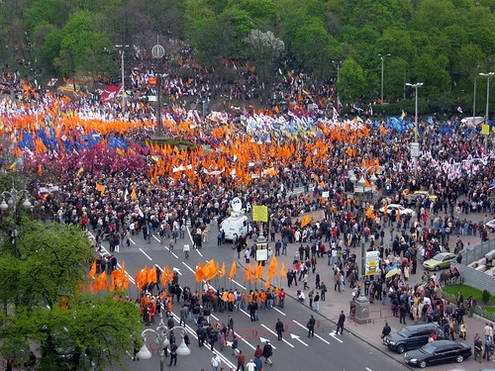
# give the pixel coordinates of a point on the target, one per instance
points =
(485, 297)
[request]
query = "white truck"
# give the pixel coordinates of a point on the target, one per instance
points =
(235, 226)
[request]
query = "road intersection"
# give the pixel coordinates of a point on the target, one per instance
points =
(295, 352)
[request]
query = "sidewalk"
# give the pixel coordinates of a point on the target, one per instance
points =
(379, 313)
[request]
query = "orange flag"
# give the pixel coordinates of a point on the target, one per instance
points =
(101, 282)
(133, 195)
(141, 278)
(267, 284)
(272, 268)
(221, 271)
(100, 188)
(151, 275)
(283, 271)
(165, 276)
(92, 271)
(199, 274)
(233, 270)
(259, 271)
(211, 269)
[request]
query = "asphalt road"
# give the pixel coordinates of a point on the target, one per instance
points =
(297, 352)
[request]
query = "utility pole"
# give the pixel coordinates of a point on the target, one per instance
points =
(382, 57)
(488, 76)
(121, 48)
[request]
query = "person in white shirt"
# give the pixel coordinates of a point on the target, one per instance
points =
(215, 362)
(251, 366)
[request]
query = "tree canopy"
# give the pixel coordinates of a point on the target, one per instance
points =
(443, 43)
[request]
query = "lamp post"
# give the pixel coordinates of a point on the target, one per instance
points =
(337, 65)
(161, 334)
(474, 100)
(488, 76)
(157, 53)
(121, 48)
(415, 86)
(13, 197)
(382, 57)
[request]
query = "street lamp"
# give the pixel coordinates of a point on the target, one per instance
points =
(161, 334)
(157, 53)
(415, 86)
(337, 64)
(382, 57)
(121, 48)
(13, 197)
(488, 76)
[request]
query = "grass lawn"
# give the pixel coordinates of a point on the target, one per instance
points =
(468, 291)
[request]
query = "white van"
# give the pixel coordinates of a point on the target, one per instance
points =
(235, 225)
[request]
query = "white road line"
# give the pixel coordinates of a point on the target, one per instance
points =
(246, 313)
(298, 338)
(188, 267)
(132, 241)
(175, 256)
(238, 284)
(149, 257)
(246, 342)
(305, 328)
(278, 310)
(177, 270)
(368, 369)
(334, 335)
(118, 264)
(215, 317)
(273, 333)
(160, 268)
(190, 237)
(263, 340)
(193, 333)
(156, 238)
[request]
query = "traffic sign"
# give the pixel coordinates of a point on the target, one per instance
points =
(157, 51)
(414, 149)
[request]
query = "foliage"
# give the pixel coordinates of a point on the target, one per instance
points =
(352, 82)
(265, 48)
(485, 297)
(467, 291)
(442, 43)
(43, 268)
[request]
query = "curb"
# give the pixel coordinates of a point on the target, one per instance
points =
(353, 333)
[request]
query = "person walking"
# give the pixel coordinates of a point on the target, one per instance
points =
(215, 362)
(251, 366)
(311, 326)
(241, 361)
(173, 355)
(340, 323)
(267, 353)
(279, 328)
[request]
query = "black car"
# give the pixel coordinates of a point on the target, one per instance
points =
(411, 337)
(441, 351)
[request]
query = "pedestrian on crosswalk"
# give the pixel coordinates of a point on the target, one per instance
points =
(279, 328)
(340, 323)
(267, 353)
(215, 362)
(311, 326)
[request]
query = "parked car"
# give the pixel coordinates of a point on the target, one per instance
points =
(411, 337)
(440, 261)
(491, 225)
(410, 198)
(403, 210)
(441, 351)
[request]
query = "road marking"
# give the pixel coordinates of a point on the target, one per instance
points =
(278, 310)
(188, 267)
(177, 270)
(334, 335)
(246, 342)
(175, 256)
(246, 313)
(149, 257)
(214, 317)
(298, 338)
(166, 248)
(263, 340)
(368, 369)
(132, 241)
(193, 333)
(273, 333)
(238, 284)
(190, 237)
(160, 268)
(318, 336)
(156, 238)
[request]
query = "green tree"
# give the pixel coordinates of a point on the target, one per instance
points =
(352, 83)
(265, 48)
(314, 48)
(80, 41)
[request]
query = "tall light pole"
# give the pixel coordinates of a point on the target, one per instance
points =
(161, 335)
(157, 53)
(382, 57)
(488, 76)
(121, 48)
(415, 86)
(13, 197)
(337, 65)
(474, 100)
